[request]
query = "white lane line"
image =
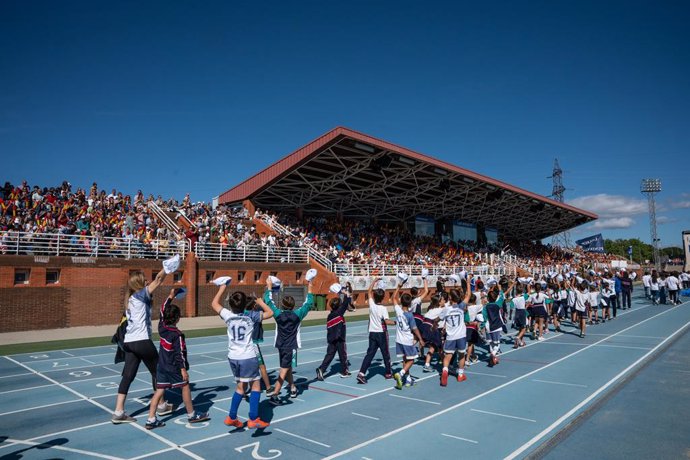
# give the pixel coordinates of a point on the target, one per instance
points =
(26, 409)
(365, 416)
(560, 383)
(623, 346)
(25, 389)
(517, 452)
(86, 360)
(212, 357)
(198, 372)
(63, 448)
(458, 437)
(487, 374)
(301, 437)
(503, 415)
(343, 385)
(415, 399)
(101, 406)
(68, 354)
(15, 375)
(69, 431)
(488, 392)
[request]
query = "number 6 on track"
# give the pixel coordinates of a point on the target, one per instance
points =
(255, 451)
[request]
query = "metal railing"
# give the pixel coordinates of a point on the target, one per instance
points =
(416, 270)
(163, 217)
(313, 252)
(251, 253)
(59, 244)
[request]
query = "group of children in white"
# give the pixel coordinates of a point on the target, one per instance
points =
(469, 314)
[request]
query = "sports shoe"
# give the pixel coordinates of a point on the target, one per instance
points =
(269, 391)
(398, 381)
(409, 381)
(319, 374)
(426, 369)
(293, 392)
(233, 422)
(198, 417)
(516, 344)
(275, 401)
(444, 378)
(540, 339)
(345, 374)
(388, 376)
(462, 377)
(155, 424)
(257, 423)
(164, 409)
(124, 418)
(361, 379)
(474, 359)
(582, 336)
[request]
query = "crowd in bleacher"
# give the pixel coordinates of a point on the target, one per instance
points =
(96, 213)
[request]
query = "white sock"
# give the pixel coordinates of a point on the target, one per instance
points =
(151, 420)
(190, 415)
(461, 371)
(402, 373)
(445, 369)
(119, 413)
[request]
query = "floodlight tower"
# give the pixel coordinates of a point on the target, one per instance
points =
(650, 187)
(557, 192)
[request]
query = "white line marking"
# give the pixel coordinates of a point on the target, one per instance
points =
(301, 437)
(622, 346)
(68, 354)
(560, 383)
(458, 437)
(415, 399)
(15, 375)
(69, 431)
(516, 453)
(90, 362)
(365, 416)
(346, 386)
(212, 357)
(198, 372)
(490, 391)
(487, 374)
(66, 449)
(25, 389)
(26, 409)
(503, 415)
(101, 406)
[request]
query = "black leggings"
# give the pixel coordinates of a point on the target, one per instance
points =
(135, 353)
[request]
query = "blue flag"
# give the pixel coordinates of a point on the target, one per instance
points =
(594, 243)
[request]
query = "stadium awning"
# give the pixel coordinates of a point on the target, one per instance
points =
(362, 177)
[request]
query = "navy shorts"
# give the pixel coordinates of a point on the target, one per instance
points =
(169, 379)
(472, 336)
(494, 336)
(520, 319)
(285, 355)
(245, 370)
(451, 346)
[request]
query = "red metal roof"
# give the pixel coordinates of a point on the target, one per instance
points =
(267, 176)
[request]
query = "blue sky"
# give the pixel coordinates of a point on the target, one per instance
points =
(175, 97)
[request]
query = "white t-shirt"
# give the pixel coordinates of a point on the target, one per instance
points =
(138, 316)
(646, 279)
(377, 313)
(416, 305)
(474, 310)
(519, 302)
(581, 298)
(454, 316)
(240, 329)
(405, 324)
(654, 286)
(672, 283)
(536, 299)
(594, 299)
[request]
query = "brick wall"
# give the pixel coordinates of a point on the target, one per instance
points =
(91, 292)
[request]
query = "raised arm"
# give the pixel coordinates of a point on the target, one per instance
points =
(396, 294)
(371, 287)
(156, 282)
(468, 291)
(425, 292)
(216, 304)
(268, 313)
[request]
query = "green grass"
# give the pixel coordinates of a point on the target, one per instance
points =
(53, 345)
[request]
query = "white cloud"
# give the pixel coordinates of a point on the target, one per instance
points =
(682, 204)
(610, 206)
(613, 222)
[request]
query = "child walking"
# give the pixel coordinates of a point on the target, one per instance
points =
(241, 354)
(171, 371)
(405, 333)
(336, 334)
(287, 323)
